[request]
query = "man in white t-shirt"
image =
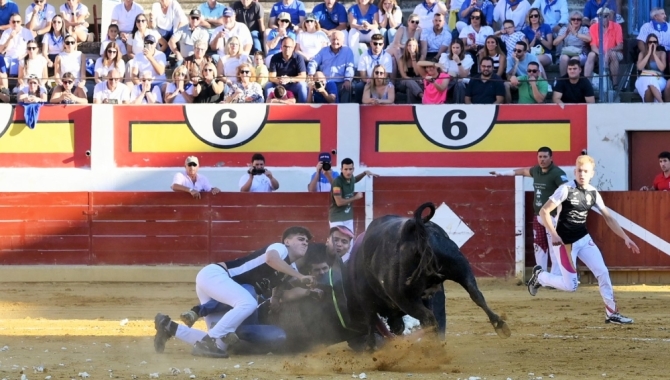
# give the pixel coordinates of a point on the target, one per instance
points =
(38, 17)
(258, 179)
(150, 59)
(366, 64)
(229, 29)
(145, 93)
(111, 91)
(124, 15)
(190, 181)
(13, 45)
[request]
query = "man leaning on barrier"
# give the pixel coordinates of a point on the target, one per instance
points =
(190, 181)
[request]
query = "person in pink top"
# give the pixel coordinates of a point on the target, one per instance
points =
(435, 82)
(612, 46)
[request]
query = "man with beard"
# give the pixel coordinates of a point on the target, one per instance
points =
(486, 87)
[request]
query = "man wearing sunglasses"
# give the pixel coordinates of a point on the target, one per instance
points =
(517, 65)
(186, 37)
(13, 46)
(373, 57)
(145, 93)
(190, 181)
(7, 9)
(38, 18)
(532, 87)
(470, 6)
(111, 91)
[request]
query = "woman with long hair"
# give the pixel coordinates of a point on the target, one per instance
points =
(408, 69)
(34, 92)
(33, 63)
(72, 61)
(474, 34)
(180, 90)
(67, 92)
(651, 63)
(74, 16)
(390, 19)
(492, 49)
(229, 63)
(576, 41)
(540, 36)
(245, 90)
(379, 90)
(109, 61)
(52, 41)
(135, 44)
(458, 65)
(404, 34)
(311, 40)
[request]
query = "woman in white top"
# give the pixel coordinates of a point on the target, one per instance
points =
(34, 92)
(75, 14)
(380, 89)
(166, 17)
(228, 64)
(404, 34)
(72, 61)
(474, 34)
(390, 19)
(52, 42)
(33, 64)
(135, 44)
(311, 40)
(109, 61)
(246, 90)
(180, 90)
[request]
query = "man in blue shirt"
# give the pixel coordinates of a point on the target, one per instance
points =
(331, 16)
(211, 15)
(7, 9)
(288, 69)
(337, 63)
(321, 180)
(321, 90)
(591, 10)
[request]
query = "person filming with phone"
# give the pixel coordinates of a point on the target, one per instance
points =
(258, 179)
(323, 177)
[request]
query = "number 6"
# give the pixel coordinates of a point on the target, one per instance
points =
(448, 125)
(218, 124)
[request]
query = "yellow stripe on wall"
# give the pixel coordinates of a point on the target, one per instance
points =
(45, 138)
(177, 137)
(505, 137)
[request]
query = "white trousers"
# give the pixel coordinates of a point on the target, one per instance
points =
(350, 225)
(541, 256)
(587, 251)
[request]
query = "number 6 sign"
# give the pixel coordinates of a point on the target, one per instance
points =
(452, 127)
(227, 127)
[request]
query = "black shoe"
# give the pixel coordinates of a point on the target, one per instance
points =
(534, 283)
(207, 348)
(161, 323)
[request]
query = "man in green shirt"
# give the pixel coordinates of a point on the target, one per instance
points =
(532, 87)
(547, 177)
(342, 195)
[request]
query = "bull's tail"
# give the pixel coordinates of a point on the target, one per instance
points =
(414, 232)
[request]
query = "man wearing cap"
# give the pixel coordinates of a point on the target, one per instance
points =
(324, 175)
(342, 195)
(190, 181)
(228, 29)
(151, 59)
(295, 9)
(250, 13)
(331, 16)
(337, 63)
(288, 69)
(186, 37)
(111, 91)
(211, 13)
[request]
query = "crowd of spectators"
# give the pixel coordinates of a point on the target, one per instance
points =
(461, 51)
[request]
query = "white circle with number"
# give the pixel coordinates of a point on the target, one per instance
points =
(226, 126)
(455, 126)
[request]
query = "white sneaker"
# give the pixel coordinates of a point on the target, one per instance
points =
(618, 319)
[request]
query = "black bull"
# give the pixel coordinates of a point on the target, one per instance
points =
(395, 265)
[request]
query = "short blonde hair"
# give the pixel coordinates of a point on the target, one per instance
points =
(179, 70)
(585, 159)
(252, 71)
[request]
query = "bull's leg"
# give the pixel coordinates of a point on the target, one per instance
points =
(439, 307)
(469, 283)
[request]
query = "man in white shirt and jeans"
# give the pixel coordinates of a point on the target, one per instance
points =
(258, 179)
(190, 181)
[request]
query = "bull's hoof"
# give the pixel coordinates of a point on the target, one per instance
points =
(502, 329)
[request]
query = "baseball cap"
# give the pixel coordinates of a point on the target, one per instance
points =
(310, 16)
(325, 157)
(229, 12)
(342, 229)
(284, 16)
(195, 12)
(149, 39)
(192, 159)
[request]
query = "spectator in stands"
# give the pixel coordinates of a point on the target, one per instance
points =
(576, 39)
(332, 16)
(180, 90)
(493, 50)
(72, 61)
(113, 36)
(33, 63)
(52, 42)
(276, 36)
(554, 12)
(515, 10)
(211, 15)
(111, 91)
(190, 181)
(657, 25)
(7, 9)
(229, 29)
(38, 18)
(34, 92)
(280, 95)
(404, 34)
(324, 175)
(662, 180)
(612, 46)
(245, 90)
(261, 70)
(337, 63)
(321, 90)
(459, 66)
(13, 47)
(532, 87)
(426, 12)
(135, 43)
(475, 33)
(435, 82)
(517, 63)
(390, 19)
(363, 22)
(373, 57)
(510, 36)
(311, 40)
(234, 57)
(124, 15)
(453, 11)
(378, 89)
(68, 93)
(651, 63)
(485, 87)
(186, 37)
(294, 8)
(250, 13)
(198, 59)
(540, 36)
(209, 89)
(167, 17)
(408, 69)
(75, 14)
(289, 70)
(435, 40)
(150, 59)
(573, 88)
(145, 93)
(484, 7)
(591, 10)
(258, 179)
(110, 60)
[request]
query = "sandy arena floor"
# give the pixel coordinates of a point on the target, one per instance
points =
(72, 328)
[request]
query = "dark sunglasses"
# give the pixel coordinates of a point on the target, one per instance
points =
(534, 16)
(414, 21)
(206, 70)
(575, 19)
(114, 79)
(67, 82)
(146, 79)
(378, 43)
(195, 18)
(70, 42)
(32, 48)
(519, 50)
(111, 51)
(16, 21)
(379, 73)
(653, 42)
(141, 20)
(192, 164)
(39, 1)
(475, 17)
(245, 71)
(532, 71)
(284, 20)
(308, 21)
